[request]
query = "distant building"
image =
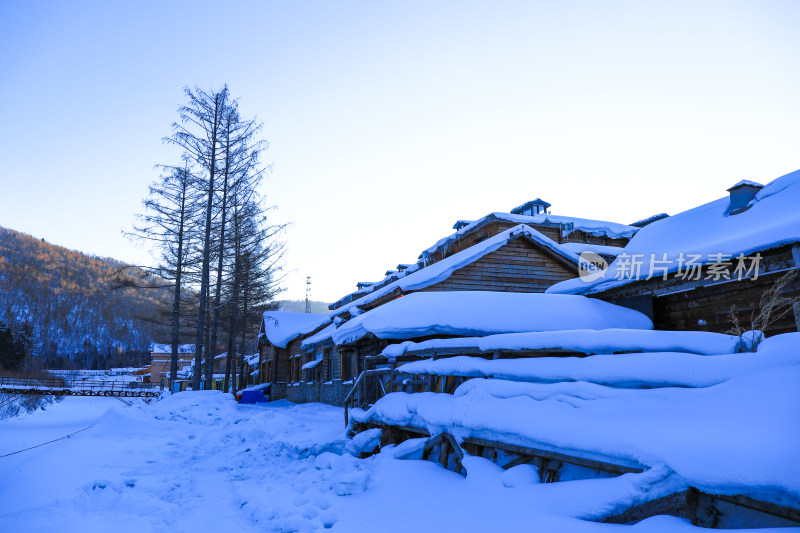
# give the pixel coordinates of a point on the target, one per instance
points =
(161, 356)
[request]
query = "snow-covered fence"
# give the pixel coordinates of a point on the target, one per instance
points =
(61, 386)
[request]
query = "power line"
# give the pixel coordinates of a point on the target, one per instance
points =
(48, 442)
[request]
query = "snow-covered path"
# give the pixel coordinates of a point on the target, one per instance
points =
(199, 462)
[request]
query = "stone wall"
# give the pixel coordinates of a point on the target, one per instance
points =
(332, 392)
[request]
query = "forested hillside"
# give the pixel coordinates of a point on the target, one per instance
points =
(299, 306)
(64, 300)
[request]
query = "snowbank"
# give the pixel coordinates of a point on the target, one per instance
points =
(479, 313)
(641, 370)
(172, 465)
(281, 327)
(585, 341)
(738, 437)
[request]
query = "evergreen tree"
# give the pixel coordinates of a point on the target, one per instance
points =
(9, 353)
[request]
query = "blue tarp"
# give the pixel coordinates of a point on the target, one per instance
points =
(253, 396)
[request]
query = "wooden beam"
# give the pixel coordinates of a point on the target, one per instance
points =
(557, 456)
(594, 464)
(796, 311)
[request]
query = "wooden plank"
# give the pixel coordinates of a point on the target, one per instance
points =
(682, 504)
(429, 445)
(782, 511)
(796, 313)
(512, 276)
(557, 456)
(521, 460)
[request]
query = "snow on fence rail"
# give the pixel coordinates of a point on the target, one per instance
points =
(77, 387)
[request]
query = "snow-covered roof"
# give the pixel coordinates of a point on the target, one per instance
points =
(260, 386)
(480, 313)
(739, 436)
(588, 341)
(281, 327)
(745, 183)
(580, 247)
(593, 227)
(167, 348)
(649, 220)
(706, 231)
(642, 370)
(321, 336)
(442, 270)
(526, 205)
(311, 364)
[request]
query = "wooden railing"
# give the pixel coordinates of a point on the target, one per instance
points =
(361, 394)
(81, 387)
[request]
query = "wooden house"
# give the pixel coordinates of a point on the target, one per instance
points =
(280, 357)
(525, 251)
(692, 270)
(161, 359)
(572, 234)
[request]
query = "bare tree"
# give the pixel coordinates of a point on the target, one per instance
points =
(226, 152)
(257, 257)
(200, 134)
(774, 305)
(171, 209)
(240, 170)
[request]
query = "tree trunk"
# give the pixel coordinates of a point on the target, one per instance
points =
(176, 304)
(201, 315)
(218, 289)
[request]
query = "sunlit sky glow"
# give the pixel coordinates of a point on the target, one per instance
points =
(389, 121)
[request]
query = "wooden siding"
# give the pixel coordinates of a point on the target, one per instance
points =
(480, 233)
(493, 227)
(519, 266)
(676, 304)
(684, 310)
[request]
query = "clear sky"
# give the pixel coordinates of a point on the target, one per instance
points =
(388, 121)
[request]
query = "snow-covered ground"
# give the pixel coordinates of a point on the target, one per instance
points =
(197, 461)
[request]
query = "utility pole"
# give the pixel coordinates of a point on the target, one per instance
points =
(308, 294)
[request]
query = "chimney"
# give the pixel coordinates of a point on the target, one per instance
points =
(741, 195)
(531, 208)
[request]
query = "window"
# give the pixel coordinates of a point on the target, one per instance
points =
(347, 366)
(308, 375)
(326, 360)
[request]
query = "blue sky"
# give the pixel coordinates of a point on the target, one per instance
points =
(388, 121)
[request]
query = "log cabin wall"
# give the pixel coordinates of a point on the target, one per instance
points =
(272, 362)
(712, 305)
(266, 353)
(519, 266)
(705, 305)
(313, 385)
(583, 237)
(473, 237)
(491, 228)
